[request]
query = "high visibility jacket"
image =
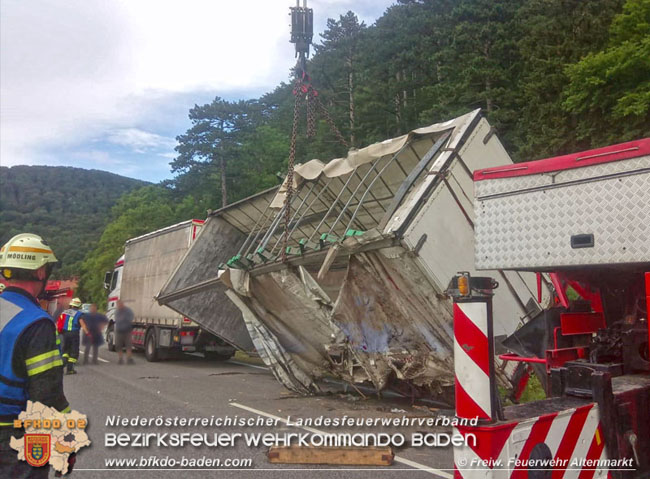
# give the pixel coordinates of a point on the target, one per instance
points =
(69, 320)
(17, 313)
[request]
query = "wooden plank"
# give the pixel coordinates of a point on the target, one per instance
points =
(345, 456)
(329, 259)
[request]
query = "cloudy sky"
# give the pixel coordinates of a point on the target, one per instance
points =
(107, 84)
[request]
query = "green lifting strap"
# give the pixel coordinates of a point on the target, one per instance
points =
(260, 253)
(328, 238)
(238, 262)
(352, 232)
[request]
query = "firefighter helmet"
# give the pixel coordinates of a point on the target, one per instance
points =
(25, 251)
(75, 303)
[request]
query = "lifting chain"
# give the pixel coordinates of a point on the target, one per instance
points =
(303, 91)
(330, 122)
(292, 157)
(311, 98)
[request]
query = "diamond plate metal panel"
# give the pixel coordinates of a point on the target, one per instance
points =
(533, 229)
(497, 186)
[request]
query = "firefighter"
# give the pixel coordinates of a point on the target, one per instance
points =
(69, 326)
(30, 361)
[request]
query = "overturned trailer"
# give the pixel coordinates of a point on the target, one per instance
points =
(194, 289)
(372, 240)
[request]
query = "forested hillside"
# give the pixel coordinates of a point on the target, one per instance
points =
(68, 207)
(553, 76)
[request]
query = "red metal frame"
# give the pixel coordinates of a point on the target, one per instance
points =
(521, 359)
(560, 290)
(582, 323)
(622, 151)
(520, 387)
(592, 296)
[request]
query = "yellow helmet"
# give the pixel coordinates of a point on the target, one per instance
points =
(25, 251)
(75, 303)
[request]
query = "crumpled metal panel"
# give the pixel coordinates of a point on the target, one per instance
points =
(209, 307)
(273, 353)
(394, 325)
(386, 326)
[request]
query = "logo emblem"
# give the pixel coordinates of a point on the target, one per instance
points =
(37, 449)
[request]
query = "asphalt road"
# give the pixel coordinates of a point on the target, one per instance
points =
(193, 387)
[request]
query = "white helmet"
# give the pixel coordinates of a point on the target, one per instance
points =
(25, 251)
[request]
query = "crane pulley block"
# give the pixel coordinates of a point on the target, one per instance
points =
(302, 28)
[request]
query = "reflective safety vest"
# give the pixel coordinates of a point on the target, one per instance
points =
(69, 320)
(17, 313)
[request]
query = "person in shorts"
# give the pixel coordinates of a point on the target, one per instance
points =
(123, 328)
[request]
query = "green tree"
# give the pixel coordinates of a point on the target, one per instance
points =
(609, 91)
(337, 64)
(551, 35)
(212, 140)
(404, 56)
(68, 207)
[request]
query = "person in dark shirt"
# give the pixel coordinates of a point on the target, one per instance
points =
(92, 324)
(30, 358)
(123, 329)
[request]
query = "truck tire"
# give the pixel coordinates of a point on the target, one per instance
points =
(110, 337)
(150, 347)
(214, 356)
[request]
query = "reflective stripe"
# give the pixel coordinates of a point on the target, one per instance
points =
(66, 410)
(66, 355)
(40, 357)
(70, 319)
(72, 360)
(6, 423)
(44, 365)
(29, 249)
(7, 312)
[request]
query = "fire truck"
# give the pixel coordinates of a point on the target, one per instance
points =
(580, 222)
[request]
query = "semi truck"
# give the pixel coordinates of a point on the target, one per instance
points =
(136, 279)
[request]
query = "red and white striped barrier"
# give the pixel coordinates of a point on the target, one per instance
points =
(569, 441)
(472, 361)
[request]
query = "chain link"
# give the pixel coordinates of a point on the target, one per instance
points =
(292, 157)
(311, 112)
(330, 122)
(304, 91)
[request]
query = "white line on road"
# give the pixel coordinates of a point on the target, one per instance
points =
(399, 459)
(246, 364)
(103, 360)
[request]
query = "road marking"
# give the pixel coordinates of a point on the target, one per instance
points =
(402, 460)
(103, 360)
(246, 364)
